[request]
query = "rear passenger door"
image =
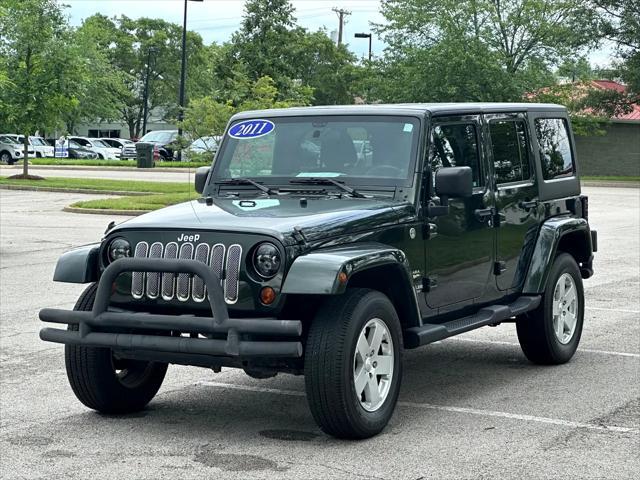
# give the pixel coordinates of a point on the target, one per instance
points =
(459, 257)
(516, 197)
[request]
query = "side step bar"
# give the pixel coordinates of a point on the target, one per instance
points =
(430, 332)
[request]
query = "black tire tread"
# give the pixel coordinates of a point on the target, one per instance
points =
(538, 343)
(93, 382)
(325, 347)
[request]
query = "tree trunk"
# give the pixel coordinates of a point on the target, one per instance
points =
(25, 157)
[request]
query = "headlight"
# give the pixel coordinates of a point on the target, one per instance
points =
(266, 260)
(119, 248)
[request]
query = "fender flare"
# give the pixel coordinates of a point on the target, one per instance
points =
(316, 273)
(79, 265)
(549, 236)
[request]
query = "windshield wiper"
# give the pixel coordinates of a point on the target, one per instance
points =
(328, 181)
(247, 181)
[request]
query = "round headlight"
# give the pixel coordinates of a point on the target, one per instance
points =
(266, 260)
(119, 248)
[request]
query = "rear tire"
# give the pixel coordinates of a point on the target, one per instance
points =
(550, 334)
(354, 345)
(107, 384)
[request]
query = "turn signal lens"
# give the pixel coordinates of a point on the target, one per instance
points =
(267, 295)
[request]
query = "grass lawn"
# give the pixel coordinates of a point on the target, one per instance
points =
(612, 178)
(109, 163)
(146, 202)
(104, 184)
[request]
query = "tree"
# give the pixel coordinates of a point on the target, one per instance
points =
(271, 44)
(265, 41)
(621, 25)
(127, 44)
(496, 42)
(39, 67)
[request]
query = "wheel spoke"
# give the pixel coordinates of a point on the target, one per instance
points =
(362, 347)
(384, 364)
(556, 308)
(570, 294)
(361, 380)
(372, 393)
(376, 339)
(560, 327)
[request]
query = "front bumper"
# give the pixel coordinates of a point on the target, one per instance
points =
(128, 331)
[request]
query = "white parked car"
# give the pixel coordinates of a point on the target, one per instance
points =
(117, 142)
(11, 150)
(203, 145)
(104, 150)
(41, 148)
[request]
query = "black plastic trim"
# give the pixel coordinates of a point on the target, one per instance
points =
(219, 322)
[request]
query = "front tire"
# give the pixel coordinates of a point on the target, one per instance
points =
(105, 383)
(353, 364)
(550, 334)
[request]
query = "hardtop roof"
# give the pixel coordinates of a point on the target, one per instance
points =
(404, 109)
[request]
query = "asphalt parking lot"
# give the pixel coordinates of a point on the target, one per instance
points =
(470, 407)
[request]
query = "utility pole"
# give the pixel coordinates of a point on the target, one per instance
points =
(183, 72)
(342, 14)
(145, 114)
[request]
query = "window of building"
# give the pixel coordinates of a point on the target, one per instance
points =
(455, 145)
(96, 133)
(510, 152)
(555, 149)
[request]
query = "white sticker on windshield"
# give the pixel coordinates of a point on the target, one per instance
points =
(319, 174)
(408, 127)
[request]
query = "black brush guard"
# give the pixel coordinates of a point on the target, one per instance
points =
(100, 318)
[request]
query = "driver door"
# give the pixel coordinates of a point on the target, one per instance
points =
(459, 254)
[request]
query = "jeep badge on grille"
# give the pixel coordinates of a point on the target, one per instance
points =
(188, 238)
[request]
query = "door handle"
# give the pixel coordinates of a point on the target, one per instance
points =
(483, 213)
(528, 204)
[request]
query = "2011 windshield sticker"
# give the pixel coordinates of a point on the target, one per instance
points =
(251, 129)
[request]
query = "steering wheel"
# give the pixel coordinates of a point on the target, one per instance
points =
(385, 171)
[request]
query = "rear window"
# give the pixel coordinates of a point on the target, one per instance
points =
(556, 157)
(510, 152)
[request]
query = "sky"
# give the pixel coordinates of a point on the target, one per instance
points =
(216, 20)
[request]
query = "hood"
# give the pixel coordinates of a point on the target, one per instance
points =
(277, 217)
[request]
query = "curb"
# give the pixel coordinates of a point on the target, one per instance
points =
(101, 211)
(90, 168)
(609, 184)
(74, 190)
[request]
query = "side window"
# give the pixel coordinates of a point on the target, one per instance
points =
(510, 152)
(455, 145)
(555, 148)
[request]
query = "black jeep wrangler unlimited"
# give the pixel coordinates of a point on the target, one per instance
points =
(329, 239)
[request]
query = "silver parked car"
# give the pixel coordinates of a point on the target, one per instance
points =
(11, 150)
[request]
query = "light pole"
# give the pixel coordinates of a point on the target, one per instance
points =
(183, 72)
(370, 37)
(145, 113)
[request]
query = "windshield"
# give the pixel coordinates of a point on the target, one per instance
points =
(37, 141)
(160, 137)
(6, 139)
(74, 144)
(374, 150)
(204, 143)
(100, 143)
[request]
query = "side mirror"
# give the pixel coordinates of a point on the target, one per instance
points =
(454, 182)
(202, 173)
(451, 182)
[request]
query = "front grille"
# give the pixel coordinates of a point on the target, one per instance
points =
(184, 286)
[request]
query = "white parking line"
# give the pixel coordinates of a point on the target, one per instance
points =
(621, 310)
(587, 350)
(443, 408)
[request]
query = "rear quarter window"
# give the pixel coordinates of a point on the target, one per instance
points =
(556, 157)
